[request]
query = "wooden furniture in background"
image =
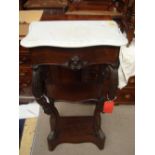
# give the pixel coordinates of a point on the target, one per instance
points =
(56, 6)
(25, 76)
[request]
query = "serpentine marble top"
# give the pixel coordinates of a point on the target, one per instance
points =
(74, 34)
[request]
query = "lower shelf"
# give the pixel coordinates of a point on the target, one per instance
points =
(75, 130)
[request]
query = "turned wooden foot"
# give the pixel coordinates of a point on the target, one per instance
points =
(52, 141)
(100, 139)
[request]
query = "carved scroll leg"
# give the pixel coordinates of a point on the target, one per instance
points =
(47, 105)
(38, 89)
(54, 120)
(113, 81)
(100, 136)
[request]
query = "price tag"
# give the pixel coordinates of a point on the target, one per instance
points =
(108, 106)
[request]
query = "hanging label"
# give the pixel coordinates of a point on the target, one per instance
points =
(108, 106)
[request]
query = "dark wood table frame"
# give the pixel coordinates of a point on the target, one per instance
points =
(75, 129)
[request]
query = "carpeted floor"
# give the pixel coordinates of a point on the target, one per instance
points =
(118, 128)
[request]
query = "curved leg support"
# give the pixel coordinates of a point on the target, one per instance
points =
(48, 107)
(113, 80)
(100, 136)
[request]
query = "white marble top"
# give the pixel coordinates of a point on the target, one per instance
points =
(73, 34)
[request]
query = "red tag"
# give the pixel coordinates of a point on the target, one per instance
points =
(108, 106)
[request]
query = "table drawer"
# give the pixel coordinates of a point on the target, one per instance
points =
(63, 56)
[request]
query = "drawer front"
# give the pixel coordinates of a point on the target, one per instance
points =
(126, 96)
(63, 56)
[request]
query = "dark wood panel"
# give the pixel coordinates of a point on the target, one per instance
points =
(25, 59)
(58, 56)
(46, 4)
(131, 82)
(126, 96)
(23, 50)
(25, 81)
(91, 5)
(88, 75)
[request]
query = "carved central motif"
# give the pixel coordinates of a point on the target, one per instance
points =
(75, 63)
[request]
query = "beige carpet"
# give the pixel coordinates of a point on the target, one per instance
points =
(118, 128)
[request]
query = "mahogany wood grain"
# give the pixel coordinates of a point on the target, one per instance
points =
(59, 56)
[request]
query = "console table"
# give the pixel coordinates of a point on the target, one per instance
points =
(77, 68)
